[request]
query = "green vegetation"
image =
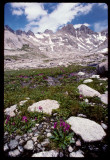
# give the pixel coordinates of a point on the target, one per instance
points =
(33, 84)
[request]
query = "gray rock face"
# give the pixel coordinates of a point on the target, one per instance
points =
(29, 145)
(87, 91)
(14, 153)
(47, 106)
(102, 68)
(89, 130)
(50, 153)
(13, 144)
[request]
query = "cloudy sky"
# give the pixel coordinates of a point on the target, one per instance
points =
(38, 17)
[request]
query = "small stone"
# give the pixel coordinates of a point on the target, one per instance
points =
(87, 81)
(50, 153)
(14, 153)
(78, 143)
(6, 147)
(21, 142)
(79, 153)
(34, 139)
(20, 148)
(61, 154)
(54, 114)
(6, 133)
(104, 126)
(49, 134)
(36, 124)
(45, 142)
(17, 137)
(81, 73)
(34, 128)
(70, 149)
(86, 100)
(39, 146)
(13, 144)
(25, 135)
(81, 115)
(47, 130)
(29, 145)
(40, 126)
(95, 76)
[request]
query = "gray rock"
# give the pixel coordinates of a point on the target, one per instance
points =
(34, 139)
(104, 126)
(47, 106)
(89, 130)
(88, 91)
(17, 137)
(6, 147)
(81, 115)
(81, 73)
(95, 76)
(102, 68)
(79, 153)
(40, 126)
(48, 130)
(21, 142)
(14, 153)
(45, 142)
(11, 110)
(61, 154)
(78, 143)
(70, 149)
(104, 98)
(13, 144)
(29, 145)
(87, 81)
(50, 153)
(34, 128)
(20, 148)
(49, 134)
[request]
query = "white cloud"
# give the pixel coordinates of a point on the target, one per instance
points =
(79, 25)
(17, 12)
(31, 10)
(39, 19)
(103, 5)
(100, 26)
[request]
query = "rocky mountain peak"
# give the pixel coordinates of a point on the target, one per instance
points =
(86, 30)
(9, 29)
(30, 33)
(19, 32)
(69, 29)
(104, 32)
(47, 31)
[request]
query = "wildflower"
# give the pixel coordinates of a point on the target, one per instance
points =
(80, 96)
(35, 118)
(24, 118)
(13, 123)
(40, 108)
(55, 124)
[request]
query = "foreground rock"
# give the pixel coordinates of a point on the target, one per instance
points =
(11, 111)
(102, 68)
(104, 98)
(46, 106)
(89, 130)
(87, 91)
(87, 81)
(79, 153)
(50, 153)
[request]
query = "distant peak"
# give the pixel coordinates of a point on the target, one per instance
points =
(48, 31)
(30, 33)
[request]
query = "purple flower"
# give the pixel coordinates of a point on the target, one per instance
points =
(24, 118)
(36, 118)
(40, 108)
(13, 123)
(80, 96)
(55, 125)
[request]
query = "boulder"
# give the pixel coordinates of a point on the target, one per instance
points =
(14, 153)
(89, 130)
(13, 144)
(46, 106)
(95, 76)
(87, 81)
(29, 145)
(81, 73)
(104, 98)
(78, 153)
(102, 68)
(50, 153)
(88, 91)
(11, 111)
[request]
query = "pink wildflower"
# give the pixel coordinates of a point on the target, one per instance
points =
(40, 108)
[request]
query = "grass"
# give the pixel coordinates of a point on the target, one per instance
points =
(70, 104)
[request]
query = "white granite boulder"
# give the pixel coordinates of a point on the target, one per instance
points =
(11, 111)
(88, 91)
(104, 98)
(81, 73)
(87, 81)
(50, 153)
(46, 106)
(89, 130)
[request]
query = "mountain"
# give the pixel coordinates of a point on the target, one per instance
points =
(67, 43)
